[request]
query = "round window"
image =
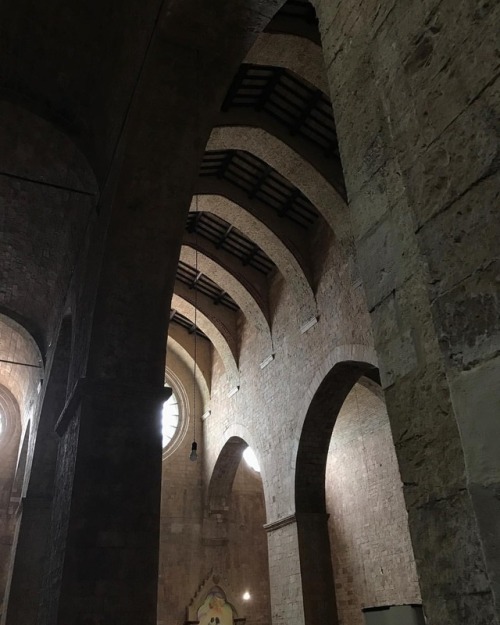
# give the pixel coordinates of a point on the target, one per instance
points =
(170, 419)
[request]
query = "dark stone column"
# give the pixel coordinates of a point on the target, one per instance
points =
(318, 589)
(103, 567)
(110, 570)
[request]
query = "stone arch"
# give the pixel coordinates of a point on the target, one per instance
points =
(37, 461)
(9, 443)
(181, 342)
(236, 439)
(249, 306)
(49, 192)
(342, 353)
(225, 349)
(298, 54)
(9, 452)
(9, 408)
(290, 234)
(310, 472)
(182, 348)
(253, 280)
(270, 243)
(291, 166)
(223, 474)
(21, 365)
(325, 397)
(330, 169)
(222, 317)
(317, 430)
(228, 507)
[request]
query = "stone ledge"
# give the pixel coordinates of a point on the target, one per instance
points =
(279, 523)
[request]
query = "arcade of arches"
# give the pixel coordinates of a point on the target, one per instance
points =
(283, 216)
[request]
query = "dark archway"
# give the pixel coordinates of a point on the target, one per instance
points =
(221, 483)
(310, 502)
(317, 431)
(235, 543)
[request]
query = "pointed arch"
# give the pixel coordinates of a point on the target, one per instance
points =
(250, 307)
(18, 346)
(221, 481)
(181, 342)
(225, 346)
(300, 55)
(291, 166)
(272, 245)
(317, 431)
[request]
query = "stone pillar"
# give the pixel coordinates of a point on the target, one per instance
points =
(34, 530)
(103, 567)
(110, 571)
(318, 588)
(412, 104)
(285, 572)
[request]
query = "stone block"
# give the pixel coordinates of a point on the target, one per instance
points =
(397, 358)
(468, 318)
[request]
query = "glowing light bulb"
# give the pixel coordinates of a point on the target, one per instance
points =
(246, 596)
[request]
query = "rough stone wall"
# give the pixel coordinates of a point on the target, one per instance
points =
(47, 194)
(186, 558)
(372, 555)
(268, 410)
(182, 566)
(246, 551)
(271, 403)
(414, 94)
(285, 576)
(403, 76)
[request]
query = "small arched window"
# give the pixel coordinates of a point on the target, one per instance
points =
(251, 459)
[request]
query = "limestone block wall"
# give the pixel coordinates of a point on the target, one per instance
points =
(285, 575)
(246, 549)
(414, 88)
(270, 406)
(187, 558)
(182, 566)
(267, 412)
